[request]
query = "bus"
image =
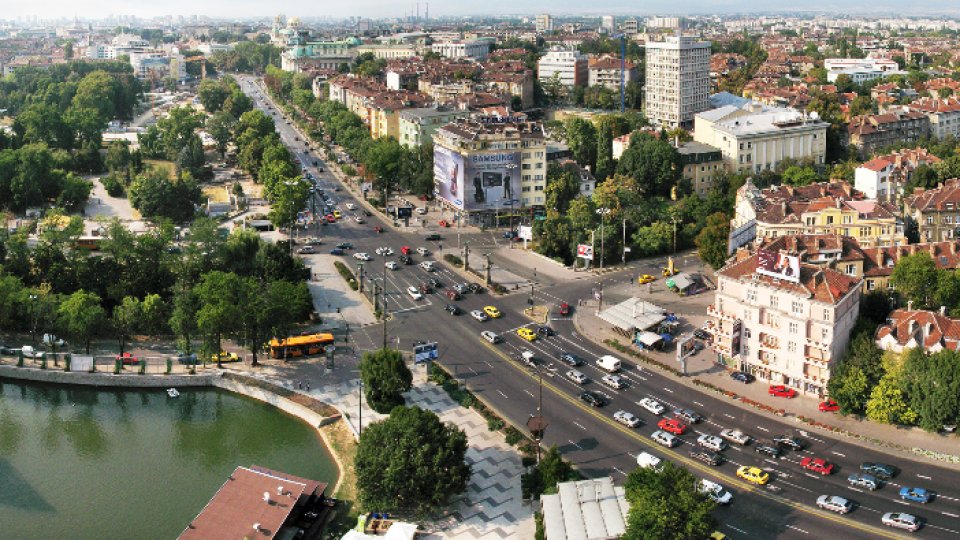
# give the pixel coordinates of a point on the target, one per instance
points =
(296, 346)
(91, 243)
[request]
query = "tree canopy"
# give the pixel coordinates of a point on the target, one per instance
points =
(385, 378)
(666, 504)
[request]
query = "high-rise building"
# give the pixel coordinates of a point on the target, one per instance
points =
(608, 23)
(678, 80)
(570, 67)
(630, 27)
(544, 23)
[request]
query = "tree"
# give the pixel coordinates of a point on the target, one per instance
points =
(887, 404)
(126, 318)
(220, 313)
(666, 504)
(915, 278)
(582, 139)
(411, 461)
(796, 175)
(212, 94)
(288, 198)
(551, 470)
(653, 163)
(856, 374)
(81, 316)
(156, 196)
(931, 383)
(183, 316)
(712, 240)
(563, 185)
(385, 377)
(605, 163)
(220, 127)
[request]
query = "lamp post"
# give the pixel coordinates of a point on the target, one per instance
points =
(537, 424)
(602, 212)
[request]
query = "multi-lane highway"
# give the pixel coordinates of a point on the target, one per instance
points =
(588, 436)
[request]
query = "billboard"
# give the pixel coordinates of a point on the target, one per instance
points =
(425, 352)
(778, 265)
(585, 251)
(488, 181)
(525, 232)
(685, 348)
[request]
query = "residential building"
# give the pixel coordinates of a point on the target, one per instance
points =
(569, 67)
(544, 23)
(665, 22)
(883, 177)
(630, 27)
(157, 64)
(936, 211)
(872, 132)
(389, 51)
(478, 49)
(789, 329)
(608, 24)
(755, 137)
(677, 80)
(908, 329)
(587, 181)
(490, 166)
(594, 509)
(860, 70)
(319, 54)
(605, 71)
(417, 126)
(701, 165)
(943, 114)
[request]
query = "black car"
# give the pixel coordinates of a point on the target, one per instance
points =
(592, 399)
(367, 213)
(336, 251)
(790, 442)
(742, 377)
(880, 470)
(768, 450)
(545, 331)
(706, 456)
(700, 333)
(688, 416)
(405, 259)
(187, 359)
(435, 283)
(5, 350)
(345, 245)
(453, 309)
(433, 238)
(571, 359)
(475, 288)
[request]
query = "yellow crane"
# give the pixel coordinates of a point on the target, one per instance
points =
(203, 64)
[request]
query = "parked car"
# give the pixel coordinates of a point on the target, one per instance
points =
(880, 470)
(834, 503)
(627, 419)
(414, 293)
(225, 357)
(306, 250)
(128, 359)
(864, 480)
(743, 377)
(29, 352)
(701, 333)
(614, 381)
(901, 520)
(652, 405)
(793, 443)
(187, 359)
(474, 288)
(591, 398)
(645, 278)
(780, 390)
(817, 465)
(490, 336)
(53, 341)
(688, 416)
(735, 436)
(577, 376)
(571, 359)
(769, 450)
(706, 456)
(829, 406)
(915, 494)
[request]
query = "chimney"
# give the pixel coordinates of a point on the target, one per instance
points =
(943, 311)
(911, 327)
(910, 307)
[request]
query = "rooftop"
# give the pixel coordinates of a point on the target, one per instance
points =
(819, 284)
(585, 510)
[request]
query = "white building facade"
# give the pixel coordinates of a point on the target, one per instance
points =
(677, 80)
(570, 67)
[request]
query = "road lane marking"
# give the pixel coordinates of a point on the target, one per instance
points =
(771, 461)
(854, 489)
(698, 404)
(922, 476)
(741, 531)
(950, 515)
(728, 415)
(502, 394)
(898, 501)
(763, 429)
(667, 389)
(837, 454)
(619, 471)
(579, 425)
(575, 444)
(529, 393)
(797, 529)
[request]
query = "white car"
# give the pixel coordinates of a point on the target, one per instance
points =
(423, 251)
(666, 439)
(421, 210)
(384, 251)
(576, 376)
(627, 419)
(735, 436)
(652, 405)
(834, 503)
(414, 293)
(614, 381)
(477, 314)
(359, 219)
(351, 206)
(492, 337)
(391, 265)
(50, 339)
(362, 257)
(29, 352)
(715, 491)
(711, 442)
(901, 521)
(427, 266)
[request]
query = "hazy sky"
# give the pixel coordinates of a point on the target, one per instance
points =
(382, 8)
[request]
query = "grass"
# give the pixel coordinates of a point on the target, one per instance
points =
(345, 446)
(215, 194)
(162, 165)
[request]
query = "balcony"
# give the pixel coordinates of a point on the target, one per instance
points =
(713, 312)
(769, 342)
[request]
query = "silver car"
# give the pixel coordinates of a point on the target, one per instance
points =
(576, 376)
(901, 520)
(627, 419)
(863, 480)
(834, 504)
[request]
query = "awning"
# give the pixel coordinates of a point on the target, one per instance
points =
(680, 281)
(649, 339)
(633, 314)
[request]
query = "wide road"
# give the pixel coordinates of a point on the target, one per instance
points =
(589, 437)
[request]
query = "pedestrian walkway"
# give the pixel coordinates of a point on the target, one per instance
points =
(333, 299)
(703, 367)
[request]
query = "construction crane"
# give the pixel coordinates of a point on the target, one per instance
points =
(623, 68)
(203, 64)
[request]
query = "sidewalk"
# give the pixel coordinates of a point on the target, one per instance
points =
(702, 367)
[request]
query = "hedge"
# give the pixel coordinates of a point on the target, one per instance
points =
(346, 274)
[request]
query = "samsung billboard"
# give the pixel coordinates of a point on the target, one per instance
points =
(488, 181)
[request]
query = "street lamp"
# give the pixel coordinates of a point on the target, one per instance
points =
(602, 212)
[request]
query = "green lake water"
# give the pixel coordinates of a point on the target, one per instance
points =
(78, 463)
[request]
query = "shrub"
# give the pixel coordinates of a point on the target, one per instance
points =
(494, 424)
(513, 436)
(453, 259)
(113, 185)
(346, 274)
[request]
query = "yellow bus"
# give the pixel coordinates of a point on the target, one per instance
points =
(296, 346)
(91, 243)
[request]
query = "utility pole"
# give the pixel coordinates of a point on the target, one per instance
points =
(466, 256)
(537, 424)
(624, 262)
(360, 409)
(385, 313)
(360, 276)
(488, 268)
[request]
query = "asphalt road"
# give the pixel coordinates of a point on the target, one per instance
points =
(591, 439)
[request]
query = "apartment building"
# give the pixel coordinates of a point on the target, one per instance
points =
(569, 67)
(544, 23)
(417, 126)
(883, 177)
(908, 329)
(756, 137)
(605, 71)
(321, 54)
(701, 165)
(871, 132)
(943, 114)
(478, 49)
(936, 212)
(860, 70)
(786, 328)
(677, 80)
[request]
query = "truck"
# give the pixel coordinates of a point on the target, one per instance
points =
(648, 461)
(609, 363)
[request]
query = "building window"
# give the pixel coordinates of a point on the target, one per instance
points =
(796, 307)
(792, 346)
(826, 314)
(871, 285)
(824, 333)
(794, 327)
(773, 301)
(751, 295)
(746, 333)
(851, 270)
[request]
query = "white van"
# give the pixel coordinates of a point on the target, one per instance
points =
(648, 461)
(609, 363)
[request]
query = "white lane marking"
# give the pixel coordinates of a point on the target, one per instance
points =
(502, 394)
(951, 531)
(529, 393)
(771, 461)
(898, 501)
(950, 515)
(741, 531)
(619, 471)
(667, 389)
(922, 476)
(797, 529)
(854, 489)
(575, 444)
(473, 371)
(728, 415)
(698, 404)
(810, 475)
(579, 425)
(763, 429)
(488, 363)
(837, 454)
(795, 486)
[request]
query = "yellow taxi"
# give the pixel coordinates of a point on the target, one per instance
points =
(225, 357)
(493, 312)
(753, 474)
(527, 334)
(337, 214)
(717, 535)
(645, 278)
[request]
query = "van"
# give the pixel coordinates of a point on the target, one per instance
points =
(649, 461)
(609, 363)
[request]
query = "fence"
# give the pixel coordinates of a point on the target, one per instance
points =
(139, 365)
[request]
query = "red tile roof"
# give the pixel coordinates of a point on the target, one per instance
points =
(929, 200)
(877, 164)
(822, 284)
(927, 328)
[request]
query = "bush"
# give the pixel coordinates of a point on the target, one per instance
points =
(494, 424)
(346, 274)
(513, 436)
(385, 377)
(453, 259)
(112, 184)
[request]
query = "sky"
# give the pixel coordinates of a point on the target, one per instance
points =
(12, 9)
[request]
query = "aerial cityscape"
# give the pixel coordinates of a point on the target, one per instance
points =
(503, 271)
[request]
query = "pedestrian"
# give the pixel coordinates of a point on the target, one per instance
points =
(308, 387)
(299, 385)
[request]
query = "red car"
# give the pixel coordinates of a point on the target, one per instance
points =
(331, 218)
(780, 390)
(829, 406)
(379, 229)
(672, 425)
(564, 309)
(818, 465)
(128, 359)
(443, 223)
(405, 250)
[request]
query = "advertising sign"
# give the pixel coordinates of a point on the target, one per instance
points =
(685, 347)
(525, 232)
(585, 251)
(448, 175)
(778, 265)
(425, 352)
(488, 181)
(404, 211)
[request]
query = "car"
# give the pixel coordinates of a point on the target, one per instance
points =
(564, 309)
(490, 336)
(405, 259)
(187, 359)
(414, 293)
(779, 390)
(225, 357)
(829, 406)
(528, 358)
(614, 381)
(433, 238)
(405, 250)
(421, 210)
(863, 480)
(452, 294)
(359, 219)
(880, 470)
(337, 251)
(915, 494)
(479, 315)
(392, 265)
(793, 443)
(425, 287)
(337, 214)
(378, 229)
(577, 376)
(492, 311)
(834, 503)
(127, 359)
(769, 450)
(592, 399)
(628, 419)
(367, 213)
(345, 245)
(901, 520)
(755, 475)
(474, 288)
(423, 251)
(645, 278)
(384, 251)
(351, 206)
(526, 334)
(706, 456)
(461, 288)
(702, 333)
(571, 359)
(652, 405)
(314, 242)
(688, 416)
(306, 250)
(817, 465)
(666, 439)
(453, 309)
(5, 349)
(743, 377)
(715, 492)
(545, 331)
(362, 256)
(672, 425)
(735, 436)
(711, 442)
